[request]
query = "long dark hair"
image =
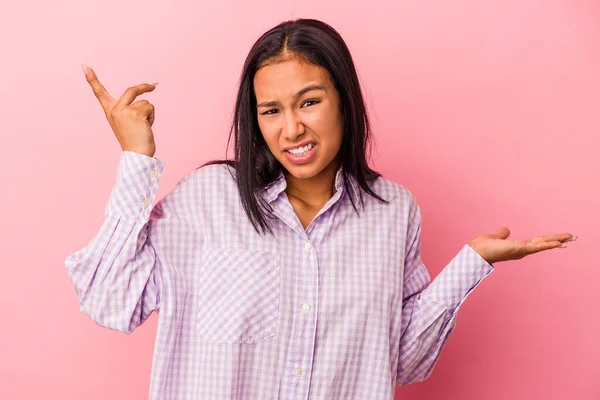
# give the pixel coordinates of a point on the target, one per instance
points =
(317, 43)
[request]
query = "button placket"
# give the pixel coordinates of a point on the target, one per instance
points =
(298, 378)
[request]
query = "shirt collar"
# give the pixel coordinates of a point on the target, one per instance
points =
(274, 189)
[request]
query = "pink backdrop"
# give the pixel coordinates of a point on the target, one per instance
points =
(488, 111)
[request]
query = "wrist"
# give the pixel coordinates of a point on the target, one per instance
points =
(478, 250)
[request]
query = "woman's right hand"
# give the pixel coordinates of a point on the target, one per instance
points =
(131, 123)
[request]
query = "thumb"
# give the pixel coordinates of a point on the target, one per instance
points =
(501, 233)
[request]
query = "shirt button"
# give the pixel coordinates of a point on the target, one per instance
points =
(305, 307)
(145, 202)
(153, 173)
(299, 372)
(307, 246)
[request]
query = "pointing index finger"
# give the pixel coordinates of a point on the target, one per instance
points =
(105, 99)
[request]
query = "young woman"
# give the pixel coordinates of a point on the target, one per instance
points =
(292, 271)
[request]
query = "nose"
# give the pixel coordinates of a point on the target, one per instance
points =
(292, 127)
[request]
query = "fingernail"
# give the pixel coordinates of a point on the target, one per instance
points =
(153, 83)
(574, 238)
(85, 69)
(562, 246)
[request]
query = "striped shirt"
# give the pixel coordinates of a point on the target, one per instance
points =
(344, 309)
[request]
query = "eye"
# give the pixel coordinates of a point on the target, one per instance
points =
(268, 112)
(310, 101)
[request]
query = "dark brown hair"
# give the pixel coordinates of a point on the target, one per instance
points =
(255, 166)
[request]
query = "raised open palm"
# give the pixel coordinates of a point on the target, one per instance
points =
(496, 247)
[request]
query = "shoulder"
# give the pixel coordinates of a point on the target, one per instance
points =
(209, 176)
(203, 186)
(198, 193)
(396, 193)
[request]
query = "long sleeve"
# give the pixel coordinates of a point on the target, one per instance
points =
(429, 310)
(117, 275)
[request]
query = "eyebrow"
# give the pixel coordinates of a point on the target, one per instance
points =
(296, 96)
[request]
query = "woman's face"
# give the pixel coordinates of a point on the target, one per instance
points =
(299, 116)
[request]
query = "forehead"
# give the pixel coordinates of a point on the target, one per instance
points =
(287, 78)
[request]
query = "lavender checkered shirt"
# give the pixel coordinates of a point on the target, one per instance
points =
(341, 310)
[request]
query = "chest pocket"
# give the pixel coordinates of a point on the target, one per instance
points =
(238, 299)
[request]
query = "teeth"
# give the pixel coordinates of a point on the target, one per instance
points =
(302, 150)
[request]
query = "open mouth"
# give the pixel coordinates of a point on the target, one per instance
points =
(299, 151)
(301, 155)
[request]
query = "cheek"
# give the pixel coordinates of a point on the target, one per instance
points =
(327, 125)
(269, 135)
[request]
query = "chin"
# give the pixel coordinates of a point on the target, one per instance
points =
(306, 171)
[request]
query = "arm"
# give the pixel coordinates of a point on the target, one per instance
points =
(117, 275)
(429, 310)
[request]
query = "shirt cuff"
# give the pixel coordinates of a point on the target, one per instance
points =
(460, 277)
(136, 186)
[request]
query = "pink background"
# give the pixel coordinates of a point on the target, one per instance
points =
(487, 110)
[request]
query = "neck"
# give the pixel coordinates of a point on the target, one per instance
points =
(314, 191)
